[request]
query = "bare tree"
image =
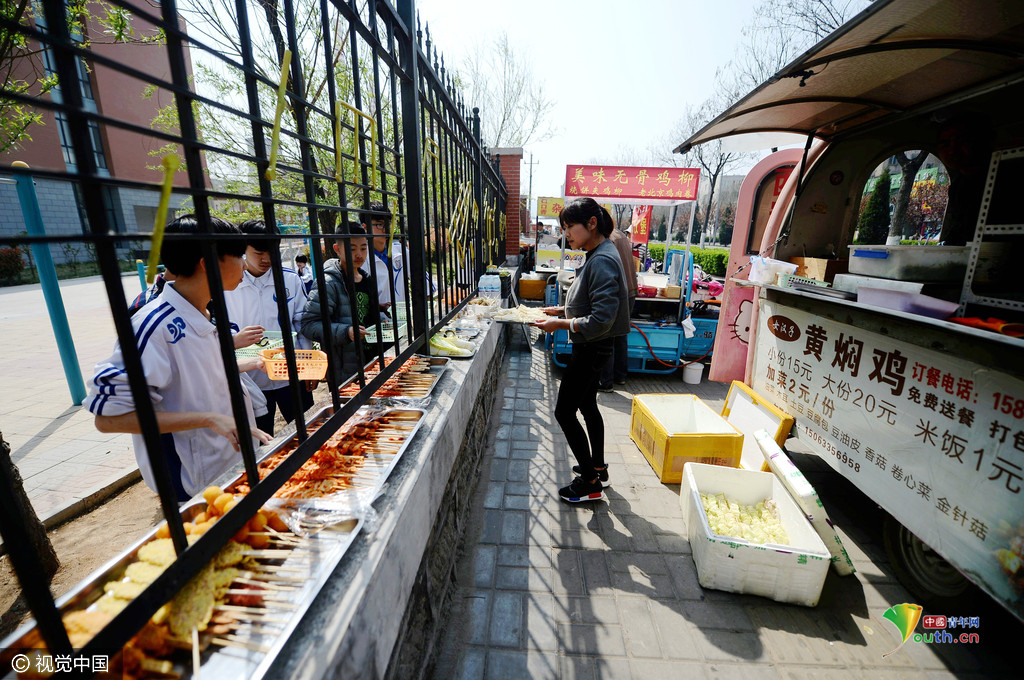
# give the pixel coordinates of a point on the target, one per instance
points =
(781, 30)
(711, 157)
(909, 167)
(515, 109)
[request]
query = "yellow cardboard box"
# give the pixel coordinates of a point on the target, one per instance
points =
(674, 429)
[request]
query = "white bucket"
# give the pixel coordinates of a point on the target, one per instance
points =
(692, 373)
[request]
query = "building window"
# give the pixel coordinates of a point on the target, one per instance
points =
(88, 103)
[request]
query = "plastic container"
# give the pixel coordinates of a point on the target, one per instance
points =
(909, 303)
(792, 573)
(692, 373)
(911, 263)
(646, 291)
(310, 363)
(672, 430)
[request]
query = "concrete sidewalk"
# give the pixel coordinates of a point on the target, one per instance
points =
(609, 590)
(66, 464)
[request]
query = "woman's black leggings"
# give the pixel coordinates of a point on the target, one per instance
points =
(578, 392)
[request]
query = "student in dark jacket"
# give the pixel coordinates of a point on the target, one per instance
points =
(346, 319)
(596, 311)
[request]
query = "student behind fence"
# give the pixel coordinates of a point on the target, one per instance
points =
(254, 304)
(596, 311)
(304, 271)
(347, 303)
(377, 221)
(618, 368)
(181, 361)
(242, 338)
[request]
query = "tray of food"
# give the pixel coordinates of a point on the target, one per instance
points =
(356, 460)
(231, 619)
(520, 314)
(447, 343)
(415, 379)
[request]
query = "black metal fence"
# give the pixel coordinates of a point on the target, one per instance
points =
(368, 117)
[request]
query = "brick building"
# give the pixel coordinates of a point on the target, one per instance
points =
(120, 154)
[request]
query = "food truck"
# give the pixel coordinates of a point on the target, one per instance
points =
(923, 414)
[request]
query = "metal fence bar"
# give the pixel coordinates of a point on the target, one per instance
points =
(409, 102)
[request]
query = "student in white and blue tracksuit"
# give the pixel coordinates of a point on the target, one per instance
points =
(253, 304)
(181, 359)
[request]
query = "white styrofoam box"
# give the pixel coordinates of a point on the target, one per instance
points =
(748, 412)
(807, 498)
(792, 573)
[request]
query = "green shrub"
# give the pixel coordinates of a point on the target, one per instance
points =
(11, 263)
(711, 260)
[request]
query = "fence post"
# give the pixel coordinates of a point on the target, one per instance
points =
(413, 158)
(478, 182)
(48, 281)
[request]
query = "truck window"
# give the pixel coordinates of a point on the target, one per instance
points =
(891, 210)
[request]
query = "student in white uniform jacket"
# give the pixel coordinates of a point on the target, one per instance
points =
(377, 221)
(254, 304)
(181, 359)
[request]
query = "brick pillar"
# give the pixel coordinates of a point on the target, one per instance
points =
(510, 160)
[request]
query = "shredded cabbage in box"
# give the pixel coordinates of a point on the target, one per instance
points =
(759, 523)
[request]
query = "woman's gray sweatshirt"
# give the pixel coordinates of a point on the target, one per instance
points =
(597, 298)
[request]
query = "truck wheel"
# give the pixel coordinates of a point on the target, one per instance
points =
(920, 569)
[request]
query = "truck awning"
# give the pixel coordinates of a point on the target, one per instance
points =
(894, 58)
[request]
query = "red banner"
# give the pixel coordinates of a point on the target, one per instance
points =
(615, 181)
(640, 224)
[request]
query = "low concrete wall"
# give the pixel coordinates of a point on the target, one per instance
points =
(377, 615)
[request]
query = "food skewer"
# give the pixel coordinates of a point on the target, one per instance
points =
(235, 641)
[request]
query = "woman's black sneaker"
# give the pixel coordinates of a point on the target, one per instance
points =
(602, 475)
(580, 491)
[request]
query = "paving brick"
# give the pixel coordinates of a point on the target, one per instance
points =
(506, 623)
(649, 668)
(483, 565)
(516, 502)
(716, 615)
(518, 489)
(595, 572)
(501, 449)
(641, 638)
(649, 563)
(541, 628)
(720, 645)
(568, 572)
(499, 470)
(507, 665)
(586, 609)
(577, 667)
(513, 527)
(490, 529)
(580, 638)
(478, 605)
(511, 578)
(745, 671)
(471, 665)
(676, 632)
(518, 471)
(638, 582)
(493, 495)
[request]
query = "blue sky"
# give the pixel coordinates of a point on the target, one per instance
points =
(620, 74)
